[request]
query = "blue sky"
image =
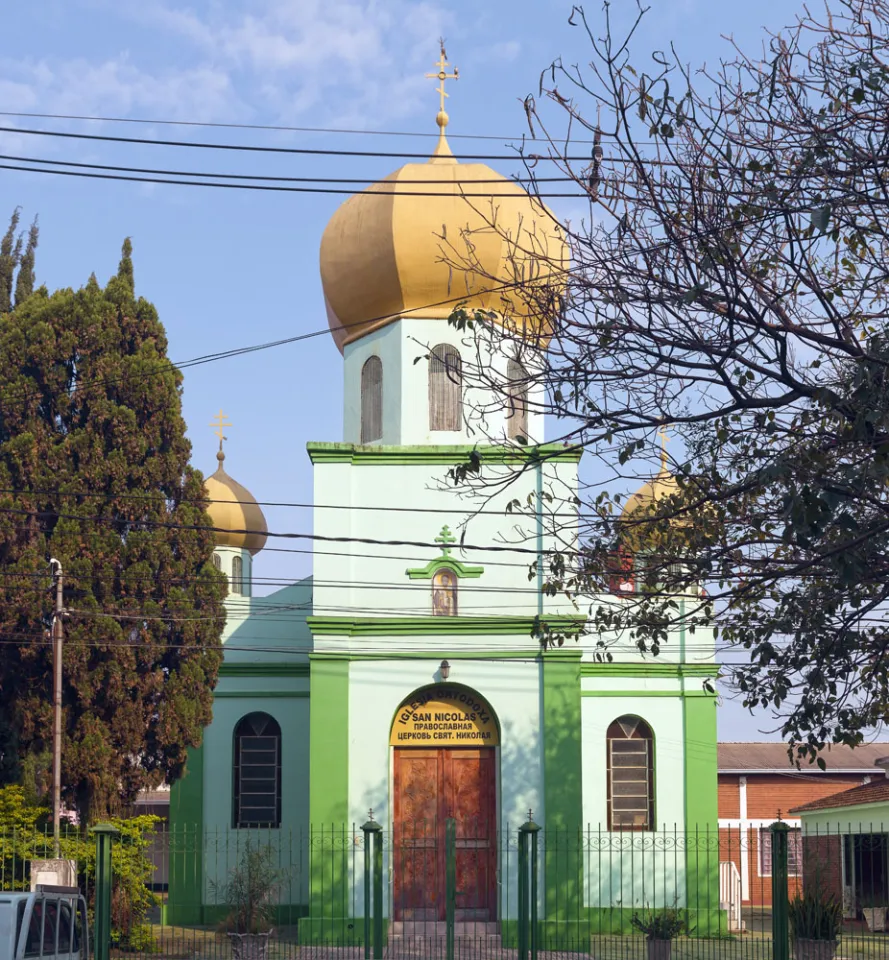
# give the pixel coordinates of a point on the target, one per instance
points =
(229, 268)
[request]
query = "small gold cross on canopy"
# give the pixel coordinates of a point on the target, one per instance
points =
(445, 538)
(443, 75)
(220, 422)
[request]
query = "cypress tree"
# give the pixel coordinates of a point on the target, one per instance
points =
(24, 284)
(93, 463)
(10, 253)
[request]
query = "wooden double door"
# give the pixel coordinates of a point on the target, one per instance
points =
(431, 788)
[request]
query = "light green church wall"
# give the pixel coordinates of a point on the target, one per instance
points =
(224, 845)
(866, 818)
(377, 688)
(406, 384)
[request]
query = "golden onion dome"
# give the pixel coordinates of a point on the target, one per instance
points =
(384, 251)
(645, 499)
(233, 509)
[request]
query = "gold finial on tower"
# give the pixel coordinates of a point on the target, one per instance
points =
(220, 422)
(442, 149)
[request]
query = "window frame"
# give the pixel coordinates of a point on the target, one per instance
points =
(371, 393)
(445, 389)
(237, 577)
(794, 842)
(517, 408)
(239, 735)
(647, 737)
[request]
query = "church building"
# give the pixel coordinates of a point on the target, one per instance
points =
(406, 676)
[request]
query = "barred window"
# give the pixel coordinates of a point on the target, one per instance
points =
(517, 406)
(217, 562)
(257, 772)
(445, 388)
(237, 575)
(794, 853)
(630, 775)
(371, 400)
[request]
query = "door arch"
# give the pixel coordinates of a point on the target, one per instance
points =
(444, 739)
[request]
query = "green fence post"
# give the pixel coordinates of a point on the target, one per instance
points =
(105, 836)
(368, 829)
(450, 884)
(780, 925)
(528, 888)
(523, 894)
(378, 893)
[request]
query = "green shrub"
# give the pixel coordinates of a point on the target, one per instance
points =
(660, 924)
(815, 916)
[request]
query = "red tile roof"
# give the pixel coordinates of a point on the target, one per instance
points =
(743, 757)
(875, 792)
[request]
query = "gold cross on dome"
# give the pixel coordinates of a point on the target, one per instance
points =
(662, 433)
(443, 74)
(220, 422)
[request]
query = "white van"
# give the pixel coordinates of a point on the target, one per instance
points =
(51, 922)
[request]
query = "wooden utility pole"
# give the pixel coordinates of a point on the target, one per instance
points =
(57, 636)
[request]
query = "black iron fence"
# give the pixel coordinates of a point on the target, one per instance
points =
(451, 890)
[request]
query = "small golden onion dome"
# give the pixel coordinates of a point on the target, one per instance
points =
(233, 508)
(644, 500)
(383, 252)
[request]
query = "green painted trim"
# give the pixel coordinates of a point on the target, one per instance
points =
(328, 780)
(437, 454)
(562, 783)
(436, 626)
(593, 669)
(186, 855)
(647, 693)
(261, 694)
(264, 670)
(701, 812)
(530, 654)
(445, 563)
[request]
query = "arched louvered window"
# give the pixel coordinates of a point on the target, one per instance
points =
(444, 593)
(371, 400)
(237, 582)
(517, 408)
(217, 562)
(630, 775)
(445, 388)
(257, 772)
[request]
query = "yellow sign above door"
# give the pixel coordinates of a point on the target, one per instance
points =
(445, 716)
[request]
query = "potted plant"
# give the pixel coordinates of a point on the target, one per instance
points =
(815, 923)
(873, 906)
(248, 894)
(660, 927)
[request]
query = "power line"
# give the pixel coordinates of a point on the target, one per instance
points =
(251, 176)
(273, 127)
(253, 148)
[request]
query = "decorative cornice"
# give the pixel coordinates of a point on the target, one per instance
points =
(617, 669)
(437, 455)
(530, 655)
(436, 626)
(261, 694)
(268, 669)
(462, 570)
(646, 693)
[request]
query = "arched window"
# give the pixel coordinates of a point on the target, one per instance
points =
(630, 775)
(517, 407)
(371, 400)
(217, 562)
(257, 772)
(444, 593)
(445, 388)
(237, 575)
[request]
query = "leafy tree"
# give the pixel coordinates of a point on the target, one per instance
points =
(10, 254)
(94, 472)
(24, 284)
(732, 281)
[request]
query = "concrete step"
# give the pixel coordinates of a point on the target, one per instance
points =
(437, 929)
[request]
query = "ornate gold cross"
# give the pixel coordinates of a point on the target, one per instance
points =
(662, 433)
(443, 74)
(220, 422)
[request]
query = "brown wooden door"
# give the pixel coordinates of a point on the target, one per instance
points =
(432, 786)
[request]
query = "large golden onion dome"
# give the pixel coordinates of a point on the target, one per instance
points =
(645, 499)
(233, 508)
(385, 252)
